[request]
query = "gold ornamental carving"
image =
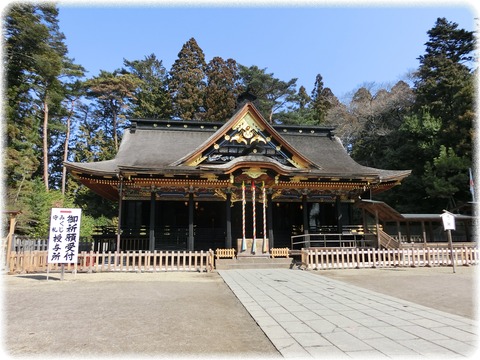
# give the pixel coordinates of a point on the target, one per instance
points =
(254, 172)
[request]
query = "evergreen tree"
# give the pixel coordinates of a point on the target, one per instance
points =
(445, 83)
(274, 96)
(38, 73)
(151, 99)
(187, 82)
(322, 100)
(222, 89)
(445, 90)
(113, 93)
(303, 98)
(434, 139)
(300, 112)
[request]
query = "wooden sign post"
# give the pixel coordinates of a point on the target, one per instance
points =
(448, 225)
(64, 237)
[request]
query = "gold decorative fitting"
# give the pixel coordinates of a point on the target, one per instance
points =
(298, 178)
(254, 172)
(216, 146)
(211, 177)
(219, 193)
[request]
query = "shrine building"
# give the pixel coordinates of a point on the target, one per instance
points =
(192, 185)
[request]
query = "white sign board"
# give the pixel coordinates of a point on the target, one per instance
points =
(448, 221)
(64, 236)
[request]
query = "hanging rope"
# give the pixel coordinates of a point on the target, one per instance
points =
(254, 218)
(264, 199)
(244, 245)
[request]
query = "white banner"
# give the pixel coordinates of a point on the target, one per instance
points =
(64, 236)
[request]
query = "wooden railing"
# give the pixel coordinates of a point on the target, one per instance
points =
(280, 252)
(225, 253)
(346, 239)
(344, 258)
(142, 261)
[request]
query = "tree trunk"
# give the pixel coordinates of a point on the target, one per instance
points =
(45, 143)
(115, 137)
(65, 150)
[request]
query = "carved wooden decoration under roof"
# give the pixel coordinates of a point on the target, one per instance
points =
(247, 137)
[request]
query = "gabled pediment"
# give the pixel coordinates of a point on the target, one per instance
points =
(246, 134)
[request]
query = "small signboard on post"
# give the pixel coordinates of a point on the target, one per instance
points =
(64, 236)
(448, 221)
(448, 225)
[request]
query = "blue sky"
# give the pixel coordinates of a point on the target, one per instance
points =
(349, 45)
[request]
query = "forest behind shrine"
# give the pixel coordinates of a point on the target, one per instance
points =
(53, 113)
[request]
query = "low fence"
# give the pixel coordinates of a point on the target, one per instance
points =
(21, 243)
(203, 261)
(345, 258)
(36, 261)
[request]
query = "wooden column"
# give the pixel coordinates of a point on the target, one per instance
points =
(270, 221)
(409, 235)
(151, 242)
(305, 220)
(377, 226)
(399, 231)
(424, 232)
(190, 222)
(305, 214)
(119, 226)
(228, 215)
(338, 209)
(11, 232)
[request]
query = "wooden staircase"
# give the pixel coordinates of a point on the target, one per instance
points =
(386, 241)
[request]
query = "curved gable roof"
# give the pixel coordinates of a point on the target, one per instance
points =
(156, 147)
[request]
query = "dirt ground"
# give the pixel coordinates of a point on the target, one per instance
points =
(169, 315)
(438, 287)
(178, 315)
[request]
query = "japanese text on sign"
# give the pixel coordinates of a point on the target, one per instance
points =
(64, 235)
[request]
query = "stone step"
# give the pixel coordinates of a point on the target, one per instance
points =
(253, 263)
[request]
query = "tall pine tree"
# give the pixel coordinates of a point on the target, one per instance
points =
(222, 89)
(187, 82)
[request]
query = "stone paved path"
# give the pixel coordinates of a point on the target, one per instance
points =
(306, 315)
